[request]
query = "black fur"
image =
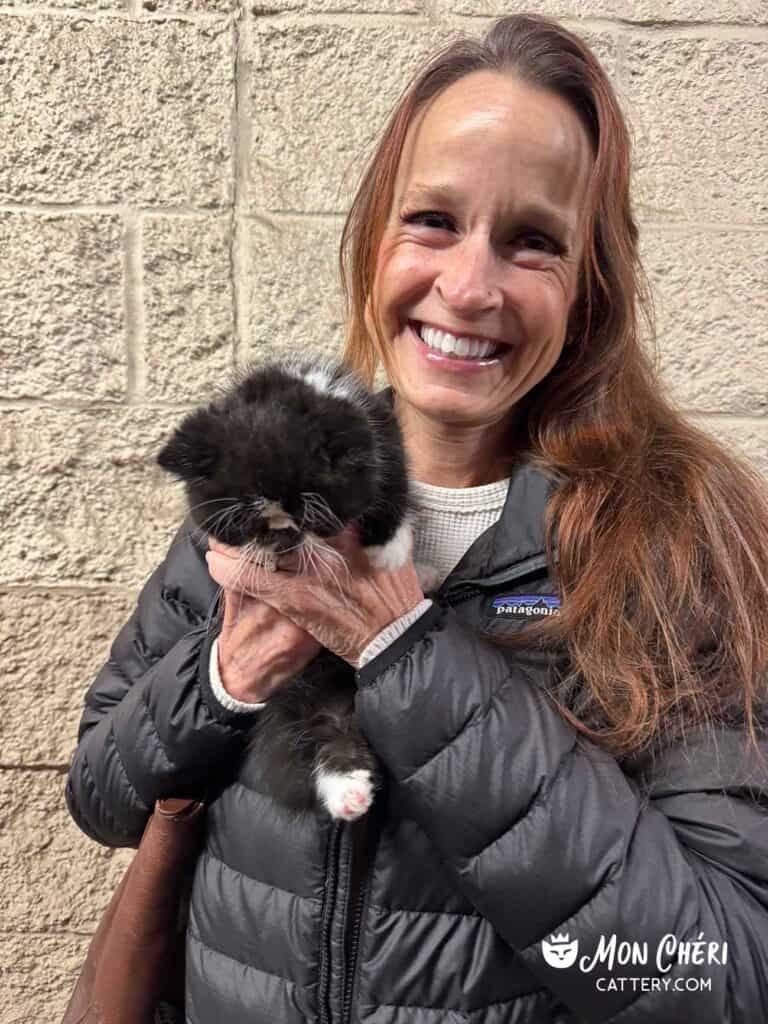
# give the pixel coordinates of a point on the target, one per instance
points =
(327, 456)
(277, 438)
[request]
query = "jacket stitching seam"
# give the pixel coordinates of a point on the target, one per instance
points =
(169, 763)
(143, 805)
(144, 650)
(90, 780)
(170, 598)
(436, 627)
(474, 1009)
(611, 879)
(258, 881)
(380, 908)
(476, 718)
(542, 793)
(113, 663)
(227, 956)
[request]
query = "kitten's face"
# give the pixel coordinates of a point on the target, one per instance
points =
(273, 473)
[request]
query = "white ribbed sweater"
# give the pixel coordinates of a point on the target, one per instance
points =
(448, 521)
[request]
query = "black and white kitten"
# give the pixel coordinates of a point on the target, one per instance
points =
(279, 463)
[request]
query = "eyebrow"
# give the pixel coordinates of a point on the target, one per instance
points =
(549, 215)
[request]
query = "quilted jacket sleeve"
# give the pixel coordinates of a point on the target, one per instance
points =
(151, 726)
(547, 835)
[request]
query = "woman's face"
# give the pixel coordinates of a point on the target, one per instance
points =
(483, 242)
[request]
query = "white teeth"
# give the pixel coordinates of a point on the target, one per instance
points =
(466, 348)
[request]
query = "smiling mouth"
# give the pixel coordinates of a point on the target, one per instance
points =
(458, 347)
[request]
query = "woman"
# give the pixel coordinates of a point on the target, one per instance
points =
(573, 826)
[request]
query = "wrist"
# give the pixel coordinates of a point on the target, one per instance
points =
(381, 640)
(223, 696)
(242, 687)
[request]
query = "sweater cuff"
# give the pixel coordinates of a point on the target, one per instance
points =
(391, 632)
(217, 686)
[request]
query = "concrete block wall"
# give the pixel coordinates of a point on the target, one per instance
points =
(173, 178)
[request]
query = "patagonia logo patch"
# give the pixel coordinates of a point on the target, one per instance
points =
(526, 606)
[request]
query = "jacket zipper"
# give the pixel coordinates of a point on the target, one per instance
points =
(358, 879)
(354, 837)
(326, 925)
(346, 842)
(462, 590)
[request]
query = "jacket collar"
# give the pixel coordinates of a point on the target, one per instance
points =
(517, 536)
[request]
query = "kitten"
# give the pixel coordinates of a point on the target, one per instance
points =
(279, 463)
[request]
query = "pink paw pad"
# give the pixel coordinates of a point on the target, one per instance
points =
(345, 795)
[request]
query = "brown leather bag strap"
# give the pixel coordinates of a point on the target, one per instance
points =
(137, 942)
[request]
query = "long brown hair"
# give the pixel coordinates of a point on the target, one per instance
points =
(657, 535)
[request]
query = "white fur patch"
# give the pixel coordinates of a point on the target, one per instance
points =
(324, 377)
(276, 516)
(344, 388)
(394, 553)
(346, 795)
(318, 379)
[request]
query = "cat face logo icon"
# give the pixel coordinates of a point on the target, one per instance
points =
(559, 951)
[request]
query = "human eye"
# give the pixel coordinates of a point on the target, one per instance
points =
(539, 242)
(424, 216)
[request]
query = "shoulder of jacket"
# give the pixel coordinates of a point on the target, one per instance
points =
(714, 758)
(185, 580)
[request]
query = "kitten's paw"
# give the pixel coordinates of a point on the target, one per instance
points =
(395, 553)
(346, 795)
(429, 577)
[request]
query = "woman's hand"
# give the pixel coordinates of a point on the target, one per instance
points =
(259, 649)
(343, 602)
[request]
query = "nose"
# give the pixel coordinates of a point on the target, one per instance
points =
(466, 282)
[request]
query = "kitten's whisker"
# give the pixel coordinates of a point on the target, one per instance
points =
(317, 508)
(240, 568)
(215, 603)
(324, 556)
(210, 501)
(216, 519)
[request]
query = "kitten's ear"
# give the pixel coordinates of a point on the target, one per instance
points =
(192, 451)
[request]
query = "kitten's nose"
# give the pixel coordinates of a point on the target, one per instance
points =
(281, 522)
(276, 517)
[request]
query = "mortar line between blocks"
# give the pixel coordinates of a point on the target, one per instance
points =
(86, 405)
(57, 590)
(343, 19)
(714, 416)
(131, 11)
(105, 209)
(736, 31)
(241, 144)
(135, 321)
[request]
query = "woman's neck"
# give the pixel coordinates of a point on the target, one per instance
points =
(447, 455)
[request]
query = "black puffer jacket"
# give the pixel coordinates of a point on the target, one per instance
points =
(496, 832)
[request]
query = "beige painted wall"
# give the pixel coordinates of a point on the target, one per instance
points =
(172, 185)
